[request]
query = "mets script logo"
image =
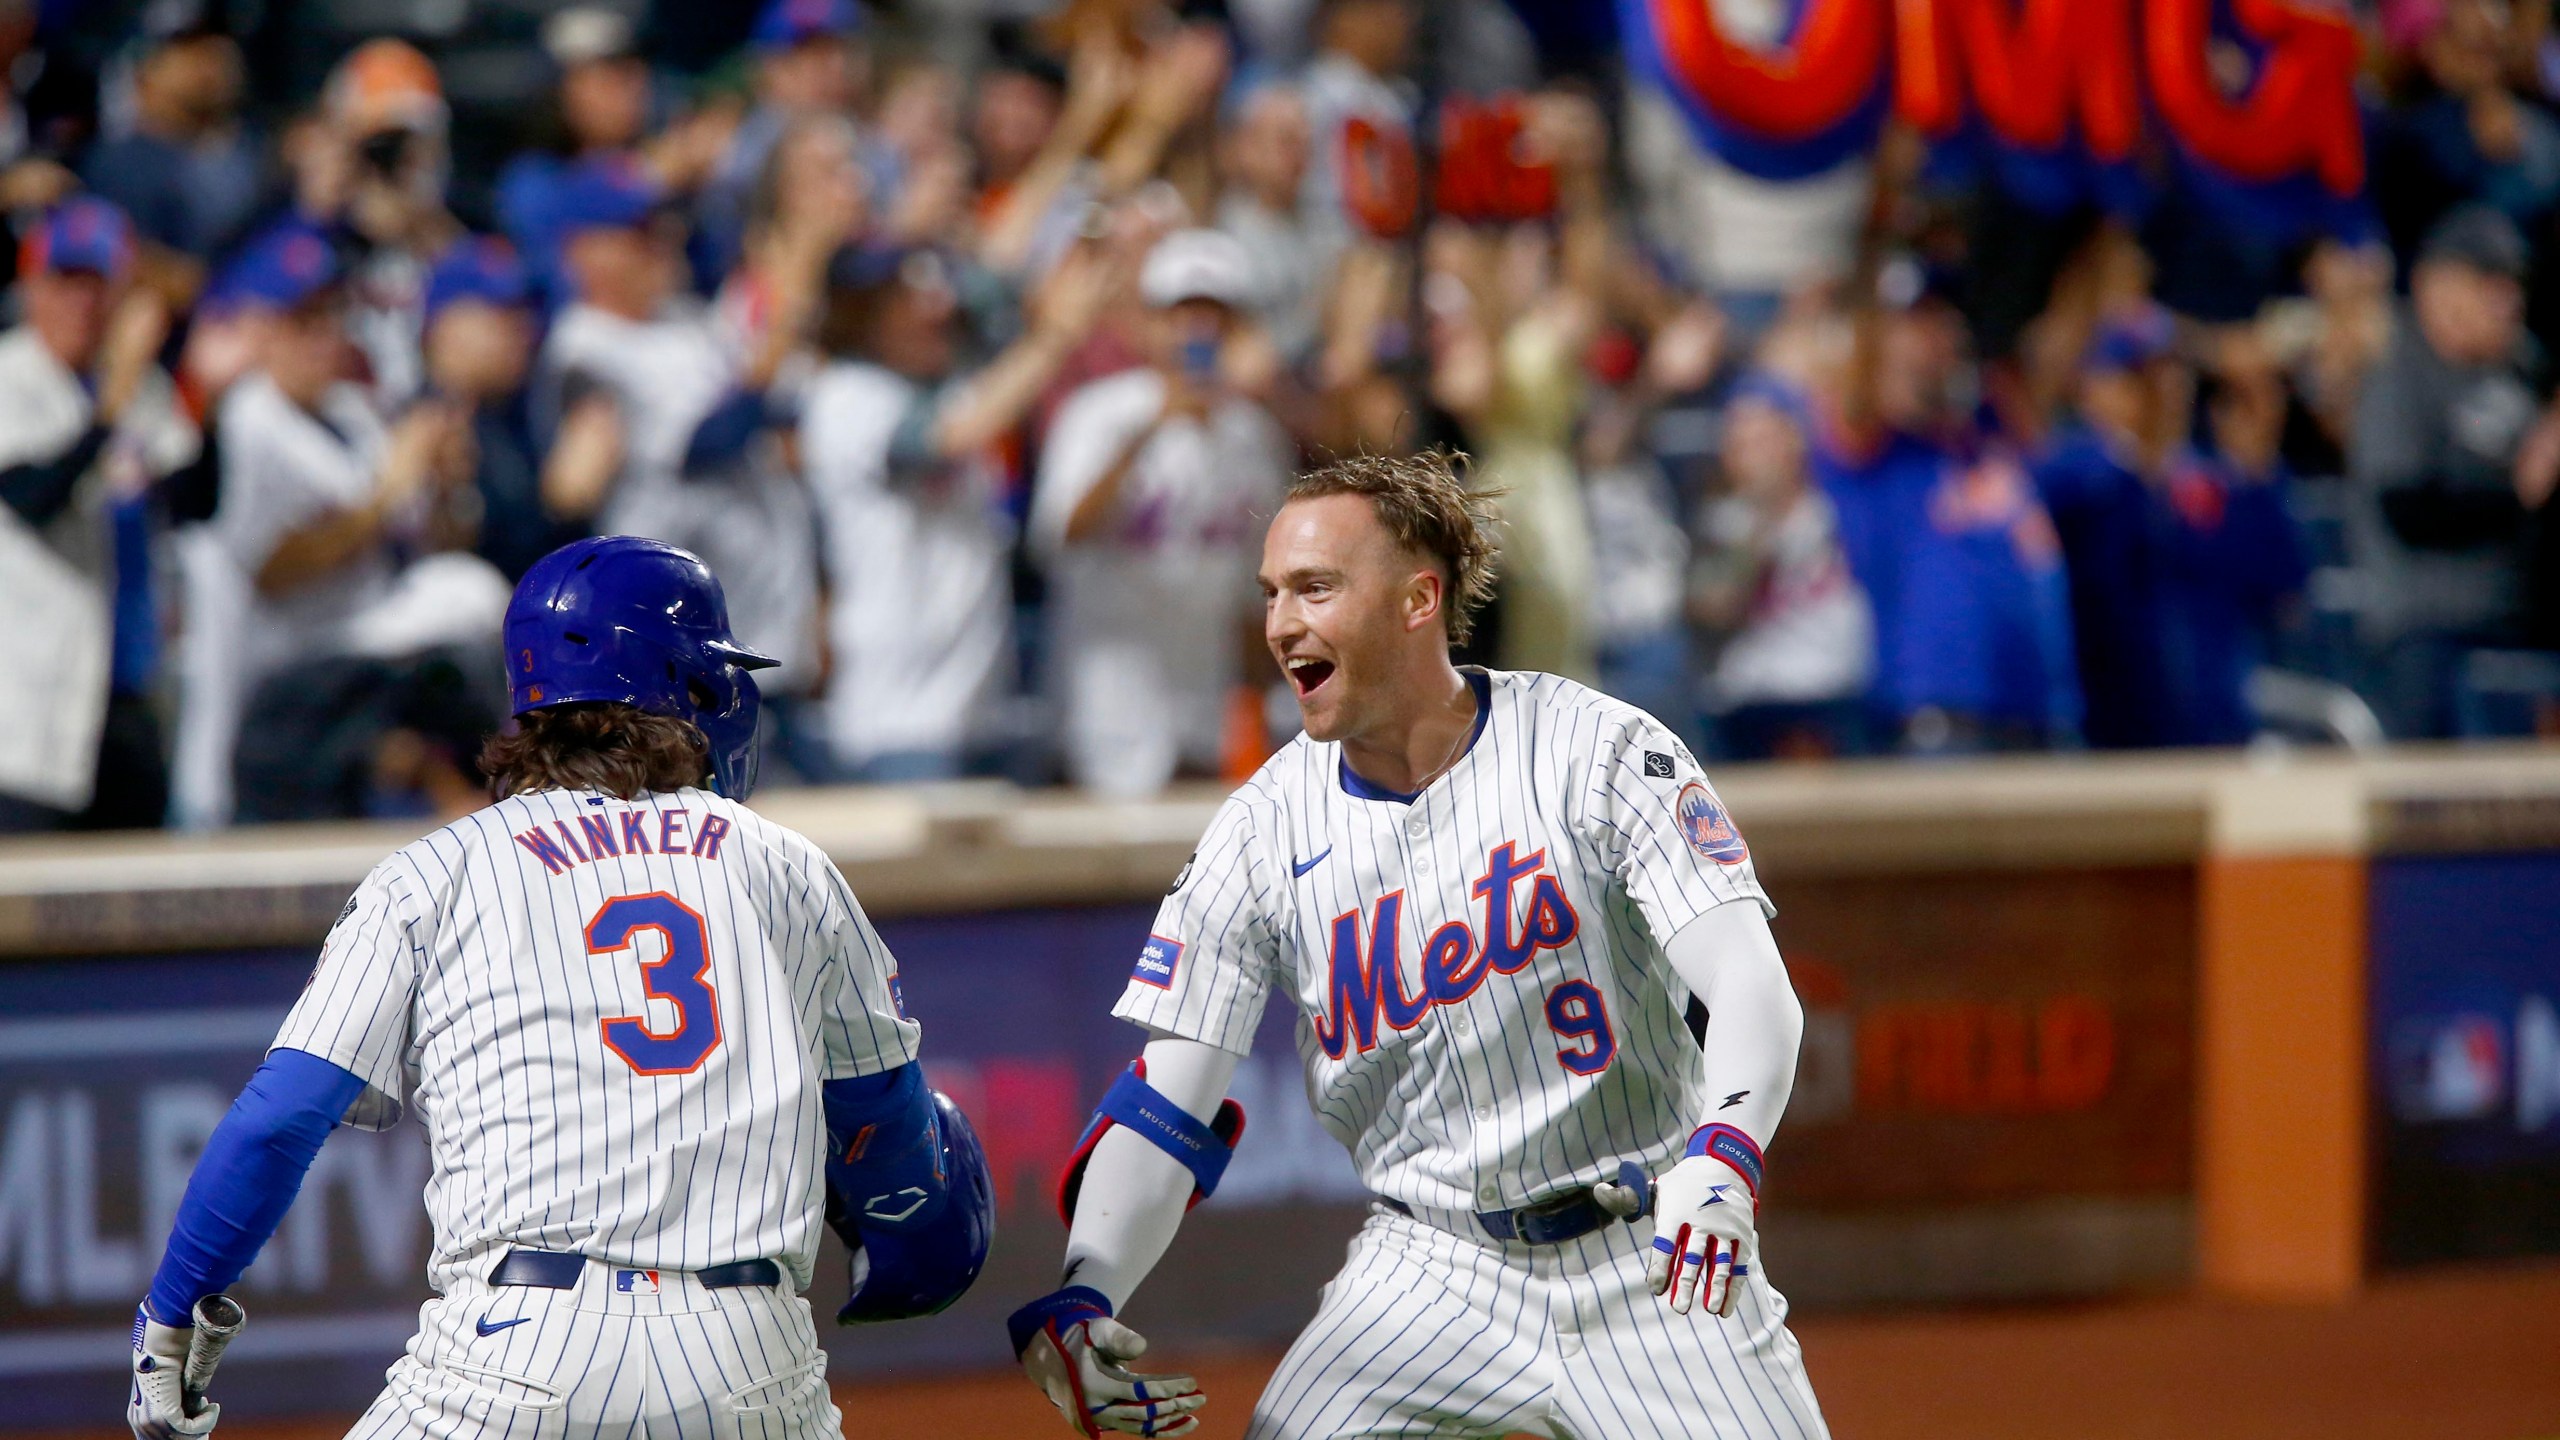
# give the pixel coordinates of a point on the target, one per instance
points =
(1365, 983)
(1706, 827)
(1156, 960)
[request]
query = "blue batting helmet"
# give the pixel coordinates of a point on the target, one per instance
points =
(902, 1274)
(642, 623)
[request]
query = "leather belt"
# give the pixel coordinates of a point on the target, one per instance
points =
(560, 1269)
(1569, 1216)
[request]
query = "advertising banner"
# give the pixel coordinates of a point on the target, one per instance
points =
(1982, 1054)
(114, 1070)
(1990, 1039)
(2465, 1017)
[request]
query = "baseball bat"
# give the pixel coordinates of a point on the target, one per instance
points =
(218, 1318)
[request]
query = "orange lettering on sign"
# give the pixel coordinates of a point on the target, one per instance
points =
(1980, 1057)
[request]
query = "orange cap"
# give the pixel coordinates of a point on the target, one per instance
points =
(386, 83)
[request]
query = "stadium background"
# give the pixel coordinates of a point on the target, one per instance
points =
(2215, 1091)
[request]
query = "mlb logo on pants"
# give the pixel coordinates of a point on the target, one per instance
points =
(635, 1282)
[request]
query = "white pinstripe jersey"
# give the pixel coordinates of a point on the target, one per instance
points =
(612, 1018)
(1484, 1007)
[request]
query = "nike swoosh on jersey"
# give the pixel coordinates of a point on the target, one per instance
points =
(1298, 868)
(487, 1329)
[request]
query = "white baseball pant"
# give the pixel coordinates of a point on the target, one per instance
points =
(1430, 1332)
(607, 1357)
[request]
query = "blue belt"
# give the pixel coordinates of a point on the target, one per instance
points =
(559, 1270)
(1549, 1222)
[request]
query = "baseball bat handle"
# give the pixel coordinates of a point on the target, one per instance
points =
(217, 1319)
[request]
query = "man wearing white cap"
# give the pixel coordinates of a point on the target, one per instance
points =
(1151, 482)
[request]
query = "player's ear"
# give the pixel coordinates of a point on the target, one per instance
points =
(1423, 599)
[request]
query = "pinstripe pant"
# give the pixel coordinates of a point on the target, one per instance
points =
(1428, 1332)
(590, 1361)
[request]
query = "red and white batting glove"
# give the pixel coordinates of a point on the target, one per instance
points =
(1706, 1220)
(1077, 1354)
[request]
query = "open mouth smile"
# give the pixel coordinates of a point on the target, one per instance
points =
(1308, 674)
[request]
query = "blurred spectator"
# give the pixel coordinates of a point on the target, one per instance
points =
(183, 166)
(87, 422)
(346, 545)
(904, 440)
(1015, 109)
(2471, 139)
(373, 163)
(661, 429)
(1262, 159)
(920, 167)
(1150, 482)
(1508, 332)
(479, 344)
(1945, 535)
(1771, 583)
(1640, 541)
(810, 60)
(1513, 309)
(2454, 450)
(600, 106)
(2327, 342)
(1355, 78)
(2177, 560)
(812, 201)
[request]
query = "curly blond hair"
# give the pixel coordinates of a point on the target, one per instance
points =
(1430, 510)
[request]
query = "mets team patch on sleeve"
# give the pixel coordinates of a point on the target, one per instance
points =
(1657, 766)
(1706, 827)
(1156, 962)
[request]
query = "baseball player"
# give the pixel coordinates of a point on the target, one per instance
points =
(1491, 896)
(652, 1038)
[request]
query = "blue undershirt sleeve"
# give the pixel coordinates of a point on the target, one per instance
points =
(247, 1177)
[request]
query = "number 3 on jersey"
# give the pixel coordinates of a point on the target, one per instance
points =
(681, 976)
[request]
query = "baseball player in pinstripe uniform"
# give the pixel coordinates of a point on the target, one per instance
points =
(1490, 896)
(653, 1040)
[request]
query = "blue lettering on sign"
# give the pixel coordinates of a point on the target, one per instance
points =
(1156, 962)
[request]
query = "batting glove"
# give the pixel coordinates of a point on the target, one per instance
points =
(160, 1408)
(1706, 1220)
(1077, 1354)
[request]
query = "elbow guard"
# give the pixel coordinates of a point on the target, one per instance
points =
(1204, 1150)
(884, 1152)
(921, 1264)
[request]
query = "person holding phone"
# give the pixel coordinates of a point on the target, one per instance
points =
(1150, 485)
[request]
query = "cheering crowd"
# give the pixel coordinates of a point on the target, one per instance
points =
(970, 358)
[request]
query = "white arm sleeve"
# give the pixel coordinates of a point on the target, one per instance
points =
(1754, 1022)
(1134, 1194)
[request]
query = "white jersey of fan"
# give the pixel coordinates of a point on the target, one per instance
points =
(1488, 1020)
(613, 1019)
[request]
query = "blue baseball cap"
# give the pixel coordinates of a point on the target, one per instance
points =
(282, 268)
(483, 268)
(2130, 341)
(83, 233)
(610, 192)
(786, 23)
(1766, 387)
